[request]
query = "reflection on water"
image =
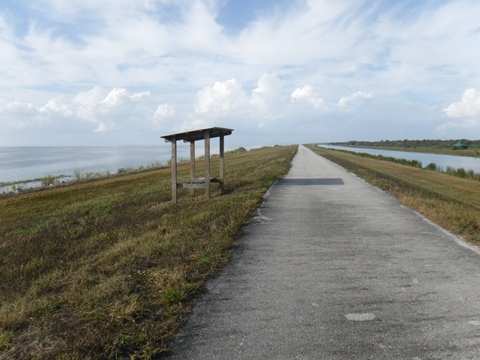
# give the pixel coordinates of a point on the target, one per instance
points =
(442, 161)
(27, 163)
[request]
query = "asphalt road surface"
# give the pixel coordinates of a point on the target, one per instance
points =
(333, 268)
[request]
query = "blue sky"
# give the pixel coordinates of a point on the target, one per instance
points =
(122, 72)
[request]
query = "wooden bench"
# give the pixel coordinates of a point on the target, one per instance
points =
(199, 183)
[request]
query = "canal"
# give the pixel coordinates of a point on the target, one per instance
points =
(442, 161)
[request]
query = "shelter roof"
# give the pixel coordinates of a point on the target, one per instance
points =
(195, 135)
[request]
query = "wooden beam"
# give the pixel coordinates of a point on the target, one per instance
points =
(207, 163)
(174, 170)
(192, 162)
(222, 160)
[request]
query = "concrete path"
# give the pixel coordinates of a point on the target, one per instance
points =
(333, 268)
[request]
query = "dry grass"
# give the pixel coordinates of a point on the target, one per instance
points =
(451, 202)
(105, 269)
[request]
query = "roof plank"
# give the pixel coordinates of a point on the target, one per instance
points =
(195, 135)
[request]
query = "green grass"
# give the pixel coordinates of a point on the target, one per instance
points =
(459, 172)
(106, 269)
(450, 201)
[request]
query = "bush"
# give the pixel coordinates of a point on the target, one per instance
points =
(49, 180)
(432, 166)
(461, 173)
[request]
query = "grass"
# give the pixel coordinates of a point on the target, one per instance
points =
(106, 268)
(450, 201)
(459, 172)
(78, 176)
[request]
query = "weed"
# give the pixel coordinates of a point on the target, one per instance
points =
(5, 338)
(172, 296)
(49, 180)
(105, 268)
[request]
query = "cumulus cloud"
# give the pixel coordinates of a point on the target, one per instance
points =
(335, 45)
(17, 115)
(465, 114)
(267, 95)
(53, 106)
(467, 107)
(109, 109)
(98, 106)
(230, 102)
(347, 101)
(221, 98)
(164, 113)
(308, 95)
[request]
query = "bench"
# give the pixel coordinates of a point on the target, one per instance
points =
(198, 183)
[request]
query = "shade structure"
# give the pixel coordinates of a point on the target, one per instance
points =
(191, 137)
(196, 135)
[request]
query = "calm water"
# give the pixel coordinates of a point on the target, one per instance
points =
(26, 163)
(443, 161)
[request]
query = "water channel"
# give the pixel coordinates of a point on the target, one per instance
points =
(442, 161)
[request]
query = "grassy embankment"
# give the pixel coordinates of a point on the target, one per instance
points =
(105, 269)
(451, 202)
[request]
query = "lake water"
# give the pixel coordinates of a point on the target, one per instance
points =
(442, 161)
(27, 163)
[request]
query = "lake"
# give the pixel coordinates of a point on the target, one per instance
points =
(27, 163)
(442, 161)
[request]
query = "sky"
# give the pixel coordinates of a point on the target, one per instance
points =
(123, 72)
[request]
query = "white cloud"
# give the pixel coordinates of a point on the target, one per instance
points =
(267, 95)
(221, 98)
(466, 112)
(17, 115)
(101, 128)
(109, 109)
(164, 110)
(467, 107)
(86, 103)
(53, 106)
(308, 95)
(230, 103)
(163, 114)
(106, 110)
(347, 101)
(119, 96)
(311, 53)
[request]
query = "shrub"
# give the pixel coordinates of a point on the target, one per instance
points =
(461, 173)
(432, 166)
(49, 180)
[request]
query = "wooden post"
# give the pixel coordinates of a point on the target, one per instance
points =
(192, 163)
(174, 170)
(207, 164)
(222, 159)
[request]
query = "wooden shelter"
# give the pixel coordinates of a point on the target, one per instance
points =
(192, 136)
(461, 144)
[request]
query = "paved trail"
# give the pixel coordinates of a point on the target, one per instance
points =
(333, 268)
